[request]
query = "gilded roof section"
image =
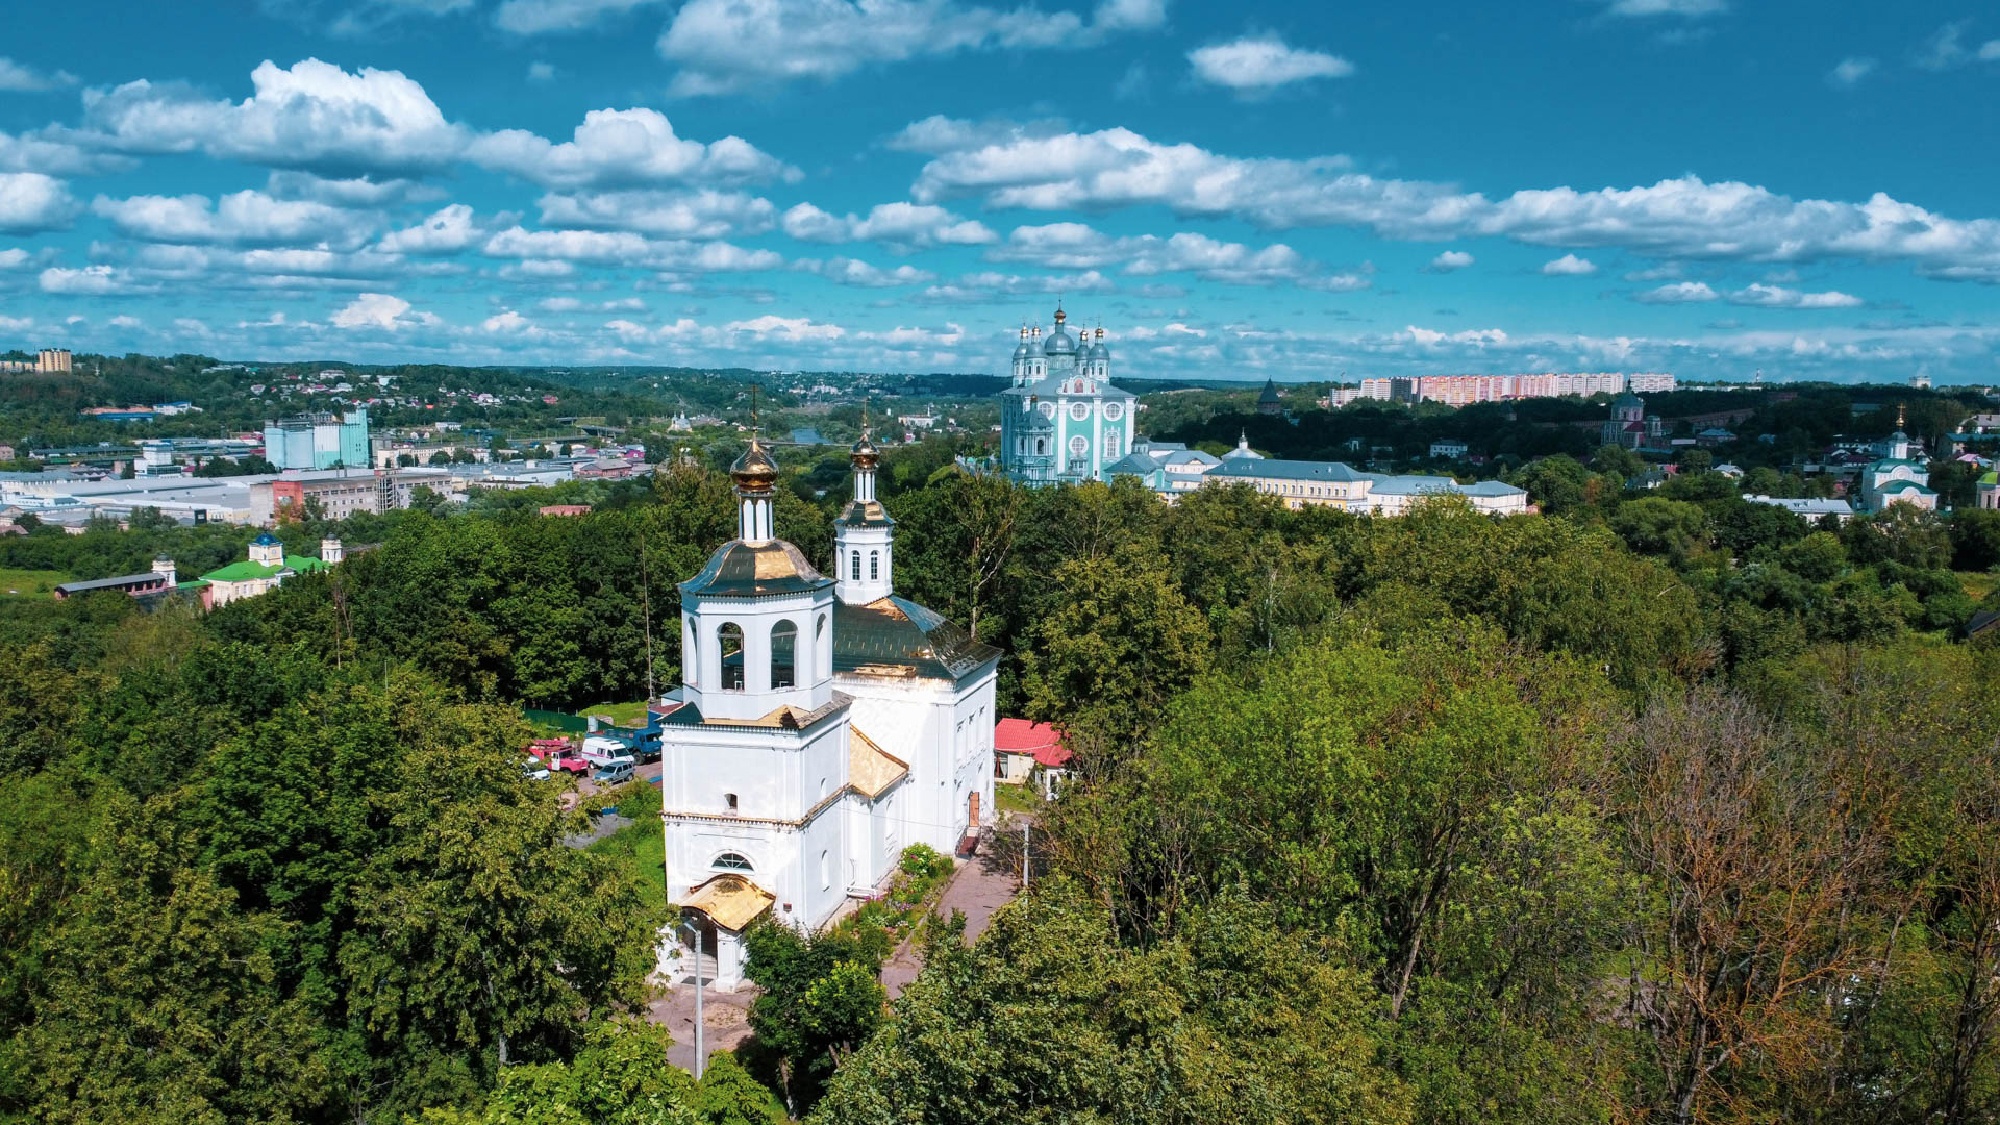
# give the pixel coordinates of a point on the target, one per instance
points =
(786, 717)
(739, 569)
(901, 638)
(866, 513)
(871, 770)
(730, 901)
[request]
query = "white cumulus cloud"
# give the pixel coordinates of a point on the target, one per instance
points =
(30, 201)
(20, 78)
(1686, 8)
(1451, 260)
(92, 281)
(726, 46)
(897, 225)
(793, 329)
(535, 17)
(1685, 217)
(684, 214)
(622, 147)
(1569, 265)
(380, 311)
(853, 271)
(1262, 63)
(311, 115)
(1777, 297)
(241, 218)
(1849, 72)
(1679, 293)
(447, 231)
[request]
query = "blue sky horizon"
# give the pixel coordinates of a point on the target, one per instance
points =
(1715, 188)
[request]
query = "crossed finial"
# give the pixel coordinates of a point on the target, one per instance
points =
(753, 415)
(866, 401)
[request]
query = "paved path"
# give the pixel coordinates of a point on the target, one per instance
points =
(978, 888)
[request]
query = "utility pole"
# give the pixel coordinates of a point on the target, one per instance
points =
(700, 1050)
(1026, 827)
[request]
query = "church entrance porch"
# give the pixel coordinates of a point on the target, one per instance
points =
(707, 942)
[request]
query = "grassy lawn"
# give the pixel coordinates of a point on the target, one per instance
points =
(30, 583)
(1017, 798)
(642, 849)
(1977, 584)
(620, 714)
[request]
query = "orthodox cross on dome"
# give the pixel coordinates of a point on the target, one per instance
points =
(1899, 415)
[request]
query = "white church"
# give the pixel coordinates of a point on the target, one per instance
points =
(822, 726)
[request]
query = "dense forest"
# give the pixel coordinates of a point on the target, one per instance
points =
(1661, 807)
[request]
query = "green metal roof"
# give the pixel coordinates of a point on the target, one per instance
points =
(740, 570)
(895, 633)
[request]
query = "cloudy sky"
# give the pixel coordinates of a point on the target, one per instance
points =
(1711, 187)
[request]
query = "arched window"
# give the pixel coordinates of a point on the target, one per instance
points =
(825, 871)
(784, 654)
(854, 566)
(874, 566)
(732, 861)
(690, 655)
(730, 636)
(1041, 447)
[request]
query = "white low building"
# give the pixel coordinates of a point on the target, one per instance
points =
(822, 726)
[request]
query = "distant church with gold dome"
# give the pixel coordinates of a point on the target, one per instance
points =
(1062, 420)
(823, 724)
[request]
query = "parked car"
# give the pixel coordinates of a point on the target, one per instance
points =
(605, 752)
(534, 770)
(616, 773)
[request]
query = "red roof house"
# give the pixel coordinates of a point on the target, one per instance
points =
(1017, 742)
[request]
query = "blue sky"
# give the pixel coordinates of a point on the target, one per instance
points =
(1710, 187)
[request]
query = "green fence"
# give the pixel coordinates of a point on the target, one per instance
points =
(570, 724)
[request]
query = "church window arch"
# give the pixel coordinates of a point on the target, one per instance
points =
(729, 639)
(826, 871)
(1113, 411)
(732, 861)
(1048, 410)
(1041, 447)
(854, 566)
(1079, 445)
(1079, 410)
(874, 566)
(784, 654)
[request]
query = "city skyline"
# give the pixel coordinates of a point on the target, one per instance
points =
(1696, 186)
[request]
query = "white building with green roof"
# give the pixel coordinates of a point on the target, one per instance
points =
(266, 569)
(1897, 478)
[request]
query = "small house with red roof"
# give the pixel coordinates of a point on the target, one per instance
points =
(1021, 747)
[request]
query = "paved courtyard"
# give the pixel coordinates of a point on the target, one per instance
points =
(979, 887)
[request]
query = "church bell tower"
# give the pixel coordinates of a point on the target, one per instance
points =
(864, 537)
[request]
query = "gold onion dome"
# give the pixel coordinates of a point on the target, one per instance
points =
(864, 454)
(754, 471)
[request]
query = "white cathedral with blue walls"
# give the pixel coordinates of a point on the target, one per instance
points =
(822, 725)
(1062, 420)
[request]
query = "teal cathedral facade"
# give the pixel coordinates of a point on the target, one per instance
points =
(1062, 420)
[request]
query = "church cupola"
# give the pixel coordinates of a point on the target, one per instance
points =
(864, 537)
(755, 474)
(756, 622)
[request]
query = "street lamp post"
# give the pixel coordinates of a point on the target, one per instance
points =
(700, 1054)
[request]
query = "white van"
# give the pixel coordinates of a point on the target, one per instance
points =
(606, 751)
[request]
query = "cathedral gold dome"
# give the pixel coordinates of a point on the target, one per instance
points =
(755, 471)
